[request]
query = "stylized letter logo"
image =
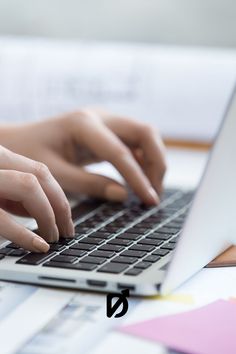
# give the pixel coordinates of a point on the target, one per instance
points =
(121, 300)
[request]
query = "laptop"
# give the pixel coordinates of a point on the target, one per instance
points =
(148, 250)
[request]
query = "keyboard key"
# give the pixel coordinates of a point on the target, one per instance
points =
(103, 254)
(73, 253)
(148, 241)
(159, 236)
(18, 253)
(5, 251)
(120, 224)
(91, 240)
(137, 230)
(35, 258)
(76, 266)
(111, 248)
(103, 235)
(168, 193)
(56, 247)
(166, 230)
(93, 260)
(64, 241)
(78, 236)
(179, 219)
(146, 248)
(152, 258)
(143, 265)
(12, 245)
(110, 229)
(90, 224)
(114, 268)
(174, 239)
(127, 260)
(83, 230)
(169, 246)
(160, 252)
(130, 253)
(84, 266)
(120, 242)
(174, 224)
(134, 271)
(154, 237)
(84, 208)
(83, 246)
(129, 236)
(64, 259)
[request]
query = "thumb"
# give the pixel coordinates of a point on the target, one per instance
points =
(74, 179)
(99, 186)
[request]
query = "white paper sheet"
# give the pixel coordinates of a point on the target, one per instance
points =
(77, 328)
(24, 310)
(46, 321)
(183, 91)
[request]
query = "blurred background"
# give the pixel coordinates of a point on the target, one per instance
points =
(169, 62)
(185, 22)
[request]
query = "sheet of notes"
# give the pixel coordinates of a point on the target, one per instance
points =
(183, 91)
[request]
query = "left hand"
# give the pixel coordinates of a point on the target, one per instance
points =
(67, 143)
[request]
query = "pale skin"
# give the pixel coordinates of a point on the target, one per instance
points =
(42, 161)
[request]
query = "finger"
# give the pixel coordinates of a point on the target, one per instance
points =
(23, 237)
(107, 146)
(154, 162)
(51, 188)
(148, 141)
(77, 180)
(25, 188)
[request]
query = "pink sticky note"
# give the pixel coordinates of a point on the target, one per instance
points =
(208, 330)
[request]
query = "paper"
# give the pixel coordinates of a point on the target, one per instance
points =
(24, 310)
(73, 329)
(178, 298)
(207, 330)
(11, 296)
(76, 328)
(183, 91)
(46, 321)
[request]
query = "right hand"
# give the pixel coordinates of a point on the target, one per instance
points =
(27, 188)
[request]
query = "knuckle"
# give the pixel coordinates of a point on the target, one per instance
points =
(65, 208)
(41, 171)
(81, 115)
(4, 152)
(146, 129)
(2, 214)
(28, 181)
(120, 153)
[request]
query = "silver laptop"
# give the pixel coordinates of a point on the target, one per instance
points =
(148, 250)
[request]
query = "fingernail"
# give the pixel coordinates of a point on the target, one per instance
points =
(55, 234)
(115, 193)
(70, 229)
(40, 245)
(153, 197)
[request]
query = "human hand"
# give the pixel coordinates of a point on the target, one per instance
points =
(67, 143)
(28, 188)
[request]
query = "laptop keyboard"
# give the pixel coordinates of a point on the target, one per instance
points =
(114, 238)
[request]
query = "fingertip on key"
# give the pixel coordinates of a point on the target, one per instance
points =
(40, 245)
(153, 197)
